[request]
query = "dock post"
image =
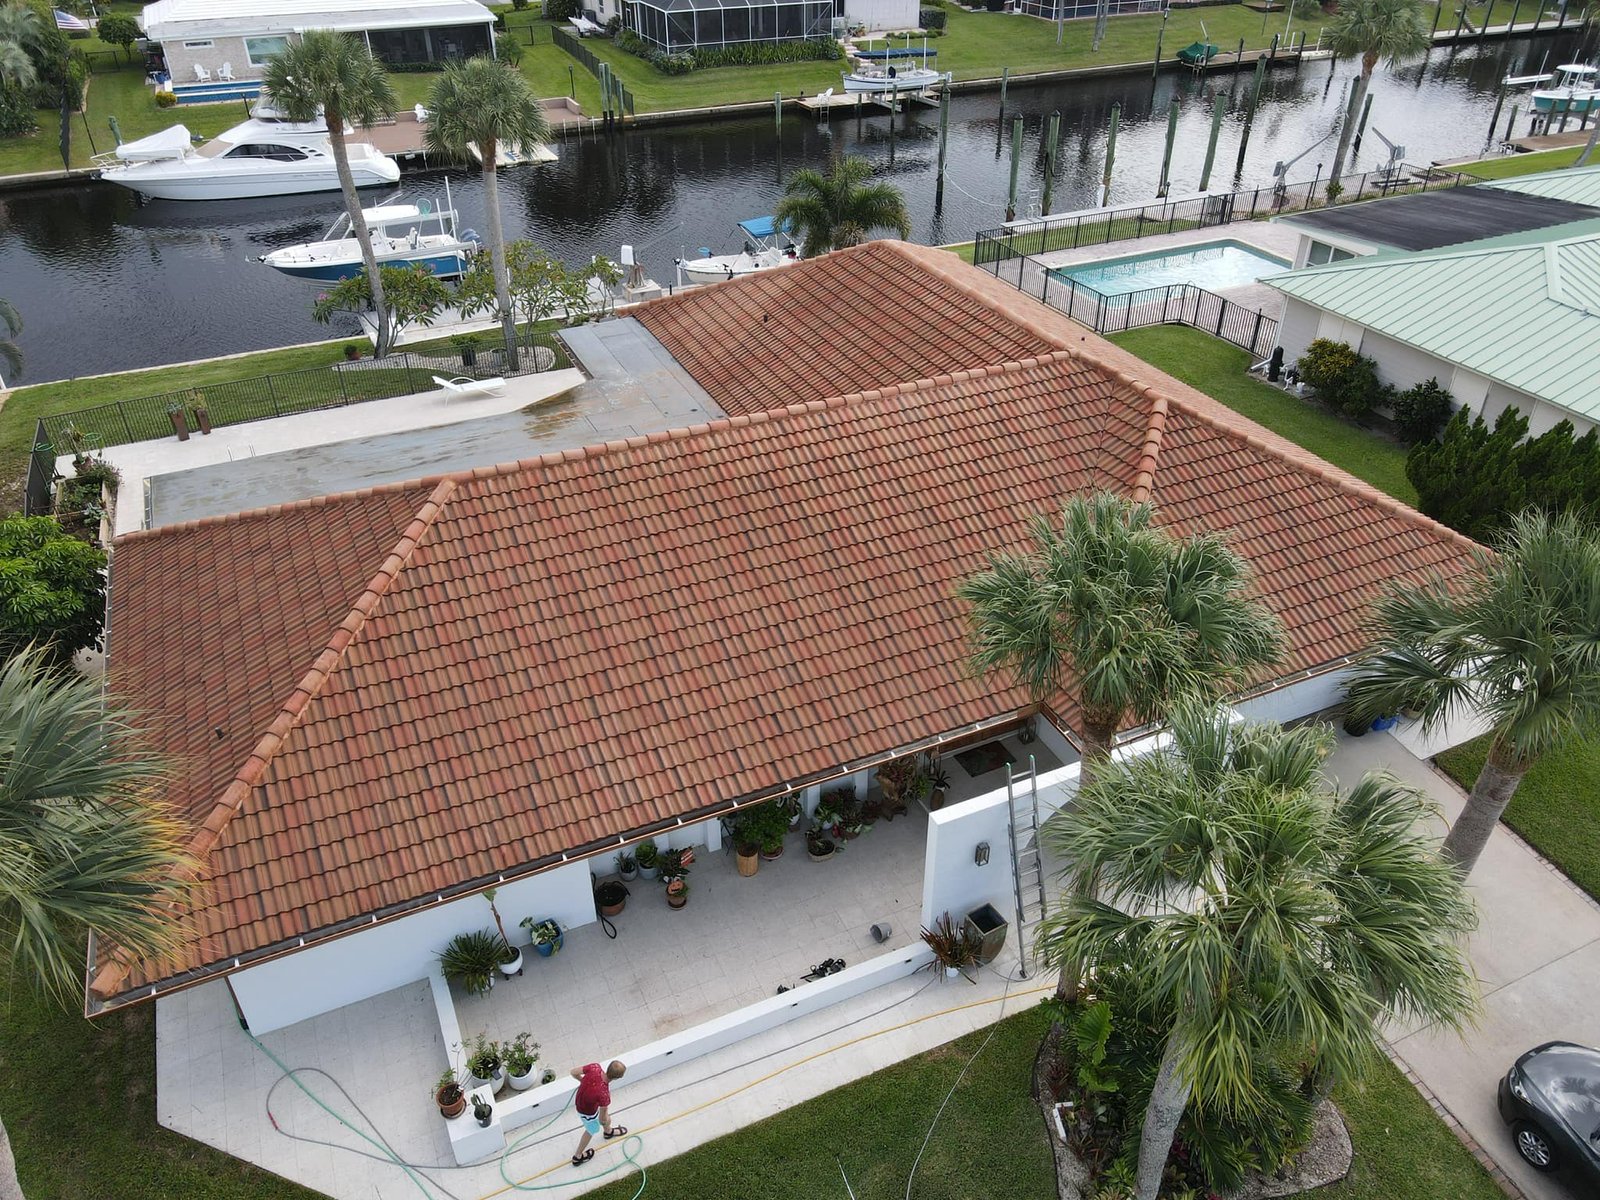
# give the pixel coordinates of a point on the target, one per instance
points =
(1016, 165)
(1166, 157)
(605, 91)
(1510, 122)
(1155, 67)
(1484, 28)
(1052, 141)
(1361, 128)
(777, 110)
(1005, 77)
(1566, 108)
(1499, 99)
(1217, 105)
(1272, 51)
(1111, 156)
(944, 138)
(1250, 113)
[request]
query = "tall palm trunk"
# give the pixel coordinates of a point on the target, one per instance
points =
(1358, 93)
(497, 250)
(1168, 1099)
(10, 1185)
(1502, 771)
(358, 223)
(1099, 731)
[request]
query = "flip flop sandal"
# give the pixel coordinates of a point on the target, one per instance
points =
(616, 1131)
(579, 1159)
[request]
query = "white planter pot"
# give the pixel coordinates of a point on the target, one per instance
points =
(521, 1083)
(513, 967)
(649, 872)
(494, 1085)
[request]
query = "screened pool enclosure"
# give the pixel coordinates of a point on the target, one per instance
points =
(681, 26)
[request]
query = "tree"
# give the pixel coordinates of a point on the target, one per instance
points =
(1514, 643)
(1257, 910)
(119, 29)
(487, 104)
(1370, 30)
(10, 352)
(537, 285)
(21, 36)
(334, 76)
(1468, 479)
(52, 590)
(88, 848)
(1128, 617)
(832, 211)
(412, 294)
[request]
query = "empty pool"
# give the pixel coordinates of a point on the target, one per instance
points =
(1213, 266)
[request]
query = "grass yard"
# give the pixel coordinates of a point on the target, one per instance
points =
(1218, 369)
(1508, 166)
(1556, 808)
(97, 1136)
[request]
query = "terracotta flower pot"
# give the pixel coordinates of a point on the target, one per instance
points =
(450, 1108)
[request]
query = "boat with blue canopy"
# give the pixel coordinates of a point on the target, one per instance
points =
(766, 245)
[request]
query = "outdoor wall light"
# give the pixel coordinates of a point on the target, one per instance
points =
(981, 854)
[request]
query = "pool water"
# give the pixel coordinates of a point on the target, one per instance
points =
(1213, 266)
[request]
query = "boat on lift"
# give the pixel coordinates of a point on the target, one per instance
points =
(1576, 91)
(268, 155)
(766, 246)
(880, 72)
(398, 240)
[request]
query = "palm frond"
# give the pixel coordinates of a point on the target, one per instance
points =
(482, 101)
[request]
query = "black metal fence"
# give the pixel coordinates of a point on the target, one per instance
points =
(266, 396)
(1046, 234)
(590, 60)
(39, 498)
(1175, 304)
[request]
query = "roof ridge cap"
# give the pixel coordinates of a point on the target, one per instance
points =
(1150, 452)
(232, 797)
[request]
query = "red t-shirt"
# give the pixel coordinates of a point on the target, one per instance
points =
(594, 1090)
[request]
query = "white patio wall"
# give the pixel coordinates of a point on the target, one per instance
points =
(701, 833)
(360, 965)
(1296, 700)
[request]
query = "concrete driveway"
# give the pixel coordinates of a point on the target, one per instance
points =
(1537, 955)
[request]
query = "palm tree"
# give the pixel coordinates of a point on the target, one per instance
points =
(334, 75)
(1372, 29)
(86, 848)
(832, 211)
(1127, 614)
(1514, 644)
(1254, 908)
(20, 33)
(10, 352)
(488, 104)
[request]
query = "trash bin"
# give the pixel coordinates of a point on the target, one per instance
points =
(989, 928)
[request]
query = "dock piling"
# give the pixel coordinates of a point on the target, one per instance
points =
(1005, 78)
(1499, 100)
(1361, 128)
(1166, 157)
(1155, 67)
(1016, 165)
(1511, 122)
(1052, 141)
(944, 139)
(777, 110)
(1217, 105)
(1250, 113)
(1111, 156)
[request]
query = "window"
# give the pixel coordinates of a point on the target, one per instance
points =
(259, 49)
(267, 150)
(206, 45)
(1321, 252)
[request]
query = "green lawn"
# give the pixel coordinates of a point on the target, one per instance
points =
(1556, 808)
(1509, 165)
(1218, 369)
(96, 1134)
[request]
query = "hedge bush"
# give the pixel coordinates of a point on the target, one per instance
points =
(1421, 411)
(932, 18)
(560, 10)
(750, 54)
(1342, 379)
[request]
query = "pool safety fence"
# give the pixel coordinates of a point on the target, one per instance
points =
(37, 499)
(1093, 227)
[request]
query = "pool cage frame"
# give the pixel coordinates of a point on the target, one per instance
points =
(1072, 10)
(684, 26)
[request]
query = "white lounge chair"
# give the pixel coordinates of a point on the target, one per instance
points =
(225, 72)
(201, 75)
(465, 386)
(422, 114)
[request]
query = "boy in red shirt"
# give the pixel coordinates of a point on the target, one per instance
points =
(593, 1103)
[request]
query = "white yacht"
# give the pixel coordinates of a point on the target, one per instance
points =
(264, 156)
(892, 71)
(424, 234)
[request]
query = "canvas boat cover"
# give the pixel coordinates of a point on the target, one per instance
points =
(169, 143)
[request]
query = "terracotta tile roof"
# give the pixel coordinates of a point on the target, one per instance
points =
(503, 666)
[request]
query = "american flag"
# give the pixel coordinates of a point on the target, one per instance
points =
(71, 24)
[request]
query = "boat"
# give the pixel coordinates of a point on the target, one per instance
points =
(873, 77)
(267, 155)
(766, 246)
(1197, 54)
(397, 241)
(1576, 90)
(515, 155)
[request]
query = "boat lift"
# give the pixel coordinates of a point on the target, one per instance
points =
(1389, 174)
(1280, 172)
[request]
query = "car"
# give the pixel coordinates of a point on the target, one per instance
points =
(1551, 1100)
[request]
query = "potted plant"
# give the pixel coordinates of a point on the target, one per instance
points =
(610, 898)
(1356, 725)
(472, 959)
(510, 956)
(486, 1065)
(352, 352)
(627, 866)
(919, 789)
(546, 936)
(954, 949)
(201, 416)
(938, 785)
(482, 1110)
(548, 1075)
(790, 806)
(747, 853)
(448, 1095)
(647, 855)
(521, 1054)
(180, 421)
(677, 893)
(819, 846)
(467, 346)
(674, 870)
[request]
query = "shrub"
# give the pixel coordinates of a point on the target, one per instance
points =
(760, 54)
(51, 587)
(560, 10)
(613, 26)
(1421, 411)
(16, 112)
(1469, 479)
(519, 5)
(166, 99)
(507, 49)
(1342, 379)
(932, 18)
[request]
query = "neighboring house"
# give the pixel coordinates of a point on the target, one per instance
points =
(682, 26)
(386, 702)
(884, 14)
(1071, 9)
(245, 33)
(1510, 320)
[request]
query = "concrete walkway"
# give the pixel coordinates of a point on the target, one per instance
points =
(1537, 955)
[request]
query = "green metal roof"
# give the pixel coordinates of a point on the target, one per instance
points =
(1576, 185)
(1523, 309)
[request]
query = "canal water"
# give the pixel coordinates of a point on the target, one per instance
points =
(105, 282)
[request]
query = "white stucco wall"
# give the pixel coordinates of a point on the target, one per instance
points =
(359, 965)
(701, 833)
(951, 882)
(884, 14)
(1541, 415)
(1296, 700)
(1297, 328)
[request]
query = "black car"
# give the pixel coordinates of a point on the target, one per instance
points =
(1551, 1100)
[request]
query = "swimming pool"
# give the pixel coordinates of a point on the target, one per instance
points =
(1212, 266)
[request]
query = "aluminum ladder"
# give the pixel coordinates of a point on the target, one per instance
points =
(1027, 875)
